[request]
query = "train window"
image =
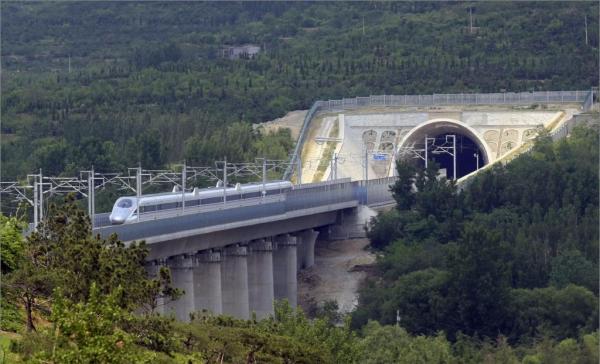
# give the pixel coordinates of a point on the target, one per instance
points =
(125, 203)
(168, 206)
(252, 195)
(212, 200)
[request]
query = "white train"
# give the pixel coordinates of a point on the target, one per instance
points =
(126, 208)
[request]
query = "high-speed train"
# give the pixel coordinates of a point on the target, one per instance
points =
(126, 208)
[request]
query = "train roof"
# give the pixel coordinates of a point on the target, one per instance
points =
(206, 189)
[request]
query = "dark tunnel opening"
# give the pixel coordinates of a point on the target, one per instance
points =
(469, 157)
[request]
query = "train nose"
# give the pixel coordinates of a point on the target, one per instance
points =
(117, 219)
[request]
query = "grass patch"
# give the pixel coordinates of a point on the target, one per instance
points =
(12, 318)
(6, 338)
(327, 153)
(325, 161)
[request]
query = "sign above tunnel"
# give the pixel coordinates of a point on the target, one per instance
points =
(380, 157)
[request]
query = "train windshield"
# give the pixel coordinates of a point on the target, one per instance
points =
(125, 203)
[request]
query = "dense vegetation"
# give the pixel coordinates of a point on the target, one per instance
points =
(113, 84)
(504, 272)
(515, 254)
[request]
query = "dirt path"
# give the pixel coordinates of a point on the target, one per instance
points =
(292, 120)
(333, 276)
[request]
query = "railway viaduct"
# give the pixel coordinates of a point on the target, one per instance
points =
(239, 257)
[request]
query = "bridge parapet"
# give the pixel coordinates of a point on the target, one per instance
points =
(328, 196)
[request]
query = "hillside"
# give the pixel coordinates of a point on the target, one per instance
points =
(514, 254)
(113, 84)
(506, 272)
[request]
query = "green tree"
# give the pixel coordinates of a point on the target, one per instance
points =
(273, 145)
(339, 343)
(11, 243)
(146, 149)
(90, 331)
(420, 299)
(32, 279)
(62, 253)
(403, 257)
(403, 189)
(384, 228)
(437, 196)
(479, 292)
(392, 344)
(572, 267)
(560, 313)
(12, 249)
(51, 157)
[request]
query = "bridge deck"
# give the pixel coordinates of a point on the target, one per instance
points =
(305, 200)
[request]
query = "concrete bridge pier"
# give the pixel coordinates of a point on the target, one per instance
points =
(234, 281)
(260, 277)
(300, 253)
(285, 269)
(207, 282)
(308, 238)
(181, 267)
(153, 269)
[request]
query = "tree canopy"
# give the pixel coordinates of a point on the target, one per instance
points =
(514, 254)
(112, 84)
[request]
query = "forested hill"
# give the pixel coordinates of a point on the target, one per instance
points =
(516, 253)
(110, 84)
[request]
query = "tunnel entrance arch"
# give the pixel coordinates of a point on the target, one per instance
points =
(471, 150)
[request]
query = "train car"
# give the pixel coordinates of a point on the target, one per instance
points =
(126, 209)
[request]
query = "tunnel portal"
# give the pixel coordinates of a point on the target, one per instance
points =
(468, 155)
(436, 140)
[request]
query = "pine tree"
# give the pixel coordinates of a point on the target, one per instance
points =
(63, 254)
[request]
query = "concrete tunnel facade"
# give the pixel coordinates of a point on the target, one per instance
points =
(437, 127)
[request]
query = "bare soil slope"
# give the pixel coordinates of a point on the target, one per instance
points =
(292, 120)
(335, 275)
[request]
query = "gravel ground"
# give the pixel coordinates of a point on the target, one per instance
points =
(334, 277)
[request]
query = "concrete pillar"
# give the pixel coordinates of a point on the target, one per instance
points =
(300, 253)
(181, 267)
(284, 269)
(308, 237)
(234, 282)
(207, 282)
(153, 269)
(260, 277)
